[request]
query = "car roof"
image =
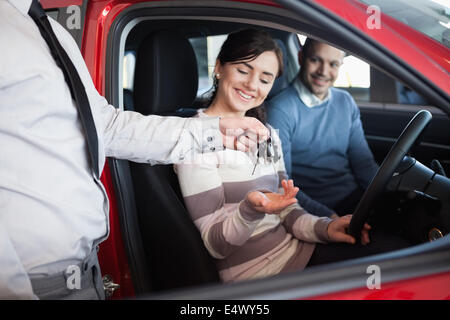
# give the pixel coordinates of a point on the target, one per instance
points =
(427, 56)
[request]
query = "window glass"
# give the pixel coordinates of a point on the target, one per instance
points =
(129, 63)
(206, 50)
(354, 76)
(368, 84)
(353, 73)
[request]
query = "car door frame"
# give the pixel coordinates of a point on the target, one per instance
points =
(437, 261)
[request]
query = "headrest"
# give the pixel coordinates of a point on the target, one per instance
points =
(281, 82)
(166, 76)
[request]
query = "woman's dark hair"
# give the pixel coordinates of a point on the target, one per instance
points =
(244, 45)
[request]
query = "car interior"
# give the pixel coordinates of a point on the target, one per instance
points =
(182, 260)
(164, 247)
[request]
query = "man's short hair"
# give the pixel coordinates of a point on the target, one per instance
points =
(308, 44)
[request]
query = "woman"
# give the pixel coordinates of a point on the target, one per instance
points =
(250, 222)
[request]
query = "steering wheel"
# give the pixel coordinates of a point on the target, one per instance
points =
(404, 142)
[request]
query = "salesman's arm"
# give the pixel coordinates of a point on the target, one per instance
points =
(155, 139)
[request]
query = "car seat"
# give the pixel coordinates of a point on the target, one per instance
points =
(282, 82)
(166, 79)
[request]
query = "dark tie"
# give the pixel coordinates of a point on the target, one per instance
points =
(73, 80)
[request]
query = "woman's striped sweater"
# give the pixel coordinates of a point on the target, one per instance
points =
(246, 243)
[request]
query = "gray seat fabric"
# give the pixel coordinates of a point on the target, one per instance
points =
(282, 82)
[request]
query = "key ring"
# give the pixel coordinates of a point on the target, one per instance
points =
(268, 151)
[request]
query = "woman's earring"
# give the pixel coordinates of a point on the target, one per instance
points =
(217, 75)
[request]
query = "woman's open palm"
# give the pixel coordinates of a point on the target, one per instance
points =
(274, 203)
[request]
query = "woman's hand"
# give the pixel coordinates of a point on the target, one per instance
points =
(337, 231)
(274, 203)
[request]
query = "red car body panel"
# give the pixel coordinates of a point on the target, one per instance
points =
(111, 255)
(99, 17)
(409, 45)
(403, 41)
(433, 287)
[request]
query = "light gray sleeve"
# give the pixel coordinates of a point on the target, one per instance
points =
(158, 140)
(145, 139)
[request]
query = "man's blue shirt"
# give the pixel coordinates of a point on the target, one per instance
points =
(324, 147)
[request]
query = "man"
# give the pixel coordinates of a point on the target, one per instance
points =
(323, 142)
(53, 208)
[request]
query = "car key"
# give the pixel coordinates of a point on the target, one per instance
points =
(254, 168)
(258, 154)
(264, 149)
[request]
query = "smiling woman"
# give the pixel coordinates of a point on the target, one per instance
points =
(248, 64)
(243, 85)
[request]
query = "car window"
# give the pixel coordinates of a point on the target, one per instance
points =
(354, 77)
(364, 82)
(206, 50)
(368, 84)
(129, 63)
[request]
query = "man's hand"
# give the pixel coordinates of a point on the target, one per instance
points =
(337, 227)
(274, 203)
(242, 133)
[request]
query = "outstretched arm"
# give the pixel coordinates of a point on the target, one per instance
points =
(298, 220)
(155, 139)
(273, 203)
(285, 126)
(224, 227)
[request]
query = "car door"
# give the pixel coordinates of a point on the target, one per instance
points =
(112, 48)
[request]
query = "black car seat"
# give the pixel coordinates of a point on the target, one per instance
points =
(166, 78)
(282, 81)
(128, 99)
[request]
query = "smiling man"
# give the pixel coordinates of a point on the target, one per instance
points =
(324, 147)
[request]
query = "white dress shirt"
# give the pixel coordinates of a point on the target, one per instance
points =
(309, 99)
(51, 207)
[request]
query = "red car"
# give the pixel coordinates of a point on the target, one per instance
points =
(398, 63)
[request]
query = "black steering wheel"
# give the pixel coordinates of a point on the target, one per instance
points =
(404, 142)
